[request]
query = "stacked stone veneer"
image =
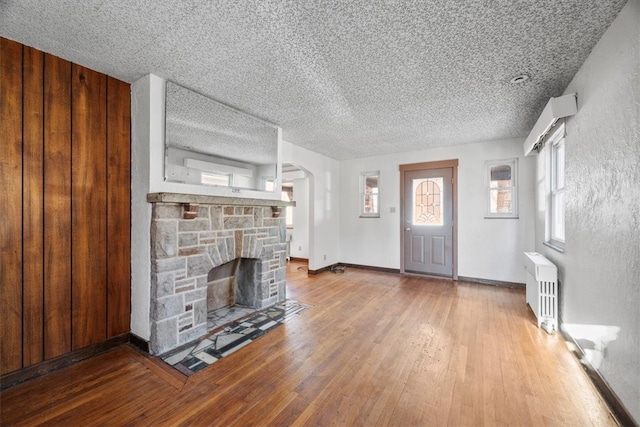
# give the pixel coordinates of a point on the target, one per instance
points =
(183, 251)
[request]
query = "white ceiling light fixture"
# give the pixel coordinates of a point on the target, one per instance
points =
(519, 79)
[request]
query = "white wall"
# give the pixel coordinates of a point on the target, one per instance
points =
(143, 101)
(300, 231)
(600, 269)
(487, 248)
(324, 176)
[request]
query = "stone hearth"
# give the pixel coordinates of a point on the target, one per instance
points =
(184, 251)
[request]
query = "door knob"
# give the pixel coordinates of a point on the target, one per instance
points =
(407, 229)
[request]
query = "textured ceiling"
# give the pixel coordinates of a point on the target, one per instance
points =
(343, 78)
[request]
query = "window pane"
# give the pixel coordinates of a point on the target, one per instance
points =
(369, 191)
(269, 184)
(427, 201)
(371, 184)
(559, 165)
(500, 200)
(557, 220)
(215, 179)
(370, 204)
(500, 176)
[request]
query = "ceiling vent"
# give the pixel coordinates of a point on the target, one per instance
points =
(556, 108)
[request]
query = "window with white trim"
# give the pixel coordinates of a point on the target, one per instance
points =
(369, 194)
(211, 178)
(501, 186)
(555, 236)
(287, 196)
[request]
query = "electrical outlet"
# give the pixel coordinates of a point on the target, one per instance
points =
(325, 257)
(300, 248)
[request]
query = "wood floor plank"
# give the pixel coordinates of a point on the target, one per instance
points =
(373, 349)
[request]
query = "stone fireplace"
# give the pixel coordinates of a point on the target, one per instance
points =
(202, 244)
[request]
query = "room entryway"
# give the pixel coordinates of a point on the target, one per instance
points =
(428, 218)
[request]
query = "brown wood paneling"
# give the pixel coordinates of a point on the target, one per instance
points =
(11, 223)
(32, 205)
(89, 207)
(118, 207)
(61, 179)
(57, 206)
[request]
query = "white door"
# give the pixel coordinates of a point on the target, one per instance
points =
(428, 221)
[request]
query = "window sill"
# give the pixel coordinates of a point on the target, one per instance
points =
(555, 246)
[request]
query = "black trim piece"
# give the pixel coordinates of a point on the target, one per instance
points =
(618, 411)
(321, 270)
(363, 267)
(34, 371)
(371, 267)
(139, 343)
(491, 282)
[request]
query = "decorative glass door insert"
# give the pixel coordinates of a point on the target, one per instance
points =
(427, 201)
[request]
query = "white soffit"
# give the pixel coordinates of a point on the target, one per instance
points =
(556, 108)
(343, 78)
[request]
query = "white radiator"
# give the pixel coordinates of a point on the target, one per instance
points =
(542, 289)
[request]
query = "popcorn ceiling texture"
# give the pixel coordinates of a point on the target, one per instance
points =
(345, 79)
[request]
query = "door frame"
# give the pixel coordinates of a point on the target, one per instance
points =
(453, 164)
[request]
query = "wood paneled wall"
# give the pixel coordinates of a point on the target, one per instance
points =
(65, 228)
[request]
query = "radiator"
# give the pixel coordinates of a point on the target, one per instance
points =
(542, 289)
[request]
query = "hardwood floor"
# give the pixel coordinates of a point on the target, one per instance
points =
(374, 349)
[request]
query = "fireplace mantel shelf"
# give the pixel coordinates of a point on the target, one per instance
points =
(213, 200)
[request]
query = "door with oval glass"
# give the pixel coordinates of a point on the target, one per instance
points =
(428, 221)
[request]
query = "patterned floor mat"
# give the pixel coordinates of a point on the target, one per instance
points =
(234, 336)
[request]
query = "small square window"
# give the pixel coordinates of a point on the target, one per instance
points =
(369, 195)
(501, 188)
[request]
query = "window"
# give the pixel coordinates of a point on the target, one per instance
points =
(427, 201)
(501, 188)
(555, 237)
(268, 183)
(369, 196)
(211, 178)
(287, 196)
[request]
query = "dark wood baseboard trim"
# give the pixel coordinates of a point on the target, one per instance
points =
(491, 282)
(17, 377)
(321, 270)
(139, 343)
(623, 417)
(298, 259)
(373, 268)
(345, 264)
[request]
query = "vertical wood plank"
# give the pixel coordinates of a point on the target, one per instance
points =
(57, 207)
(32, 205)
(89, 196)
(118, 207)
(11, 224)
